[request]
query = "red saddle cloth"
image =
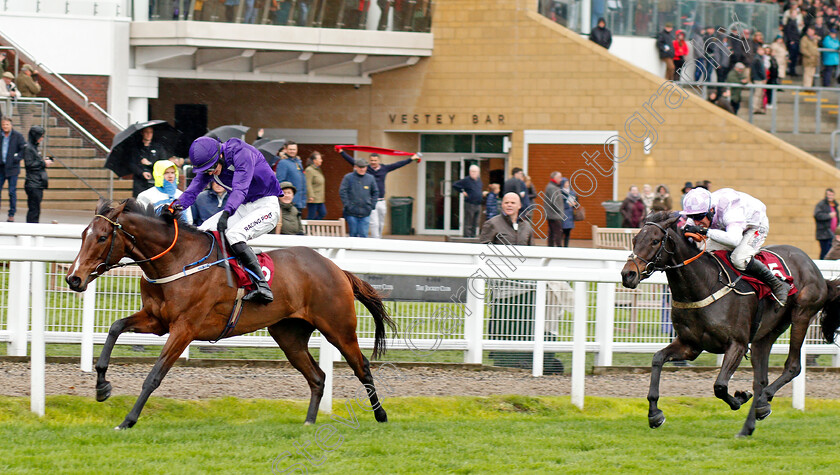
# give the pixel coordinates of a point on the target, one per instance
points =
(242, 279)
(772, 261)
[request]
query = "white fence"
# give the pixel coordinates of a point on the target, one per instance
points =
(569, 295)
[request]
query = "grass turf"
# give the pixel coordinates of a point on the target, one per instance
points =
(500, 434)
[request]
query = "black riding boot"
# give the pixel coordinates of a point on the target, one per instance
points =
(262, 294)
(760, 271)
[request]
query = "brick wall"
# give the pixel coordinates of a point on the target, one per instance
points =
(95, 87)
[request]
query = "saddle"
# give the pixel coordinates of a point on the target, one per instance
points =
(241, 274)
(769, 258)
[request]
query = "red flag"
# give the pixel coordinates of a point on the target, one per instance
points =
(366, 149)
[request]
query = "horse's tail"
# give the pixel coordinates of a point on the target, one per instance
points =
(830, 320)
(370, 299)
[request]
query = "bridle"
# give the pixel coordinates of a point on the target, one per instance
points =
(118, 227)
(652, 265)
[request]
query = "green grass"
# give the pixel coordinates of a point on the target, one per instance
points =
(500, 434)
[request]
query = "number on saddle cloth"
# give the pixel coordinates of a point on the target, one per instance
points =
(769, 258)
(241, 274)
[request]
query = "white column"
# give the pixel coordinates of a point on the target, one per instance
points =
(327, 356)
(141, 10)
(38, 361)
(539, 328)
(605, 323)
(579, 345)
(138, 109)
(474, 322)
(88, 312)
(586, 17)
(799, 383)
(374, 13)
(18, 316)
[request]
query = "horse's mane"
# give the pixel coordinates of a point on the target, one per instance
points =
(134, 207)
(660, 217)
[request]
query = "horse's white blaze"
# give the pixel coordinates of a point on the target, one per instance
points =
(76, 261)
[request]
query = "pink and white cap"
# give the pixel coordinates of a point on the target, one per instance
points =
(697, 201)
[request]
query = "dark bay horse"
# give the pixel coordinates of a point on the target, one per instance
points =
(732, 324)
(310, 292)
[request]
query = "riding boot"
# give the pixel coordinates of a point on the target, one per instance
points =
(262, 294)
(780, 288)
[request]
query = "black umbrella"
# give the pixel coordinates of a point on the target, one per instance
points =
(227, 132)
(269, 149)
(125, 142)
(260, 142)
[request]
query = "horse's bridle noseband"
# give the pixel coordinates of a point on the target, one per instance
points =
(652, 265)
(118, 227)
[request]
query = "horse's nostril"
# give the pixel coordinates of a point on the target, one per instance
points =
(73, 281)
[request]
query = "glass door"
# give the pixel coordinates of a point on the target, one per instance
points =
(440, 212)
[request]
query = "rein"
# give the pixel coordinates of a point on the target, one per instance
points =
(118, 227)
(651, 266)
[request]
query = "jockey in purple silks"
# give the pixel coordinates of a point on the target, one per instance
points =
(252, 207)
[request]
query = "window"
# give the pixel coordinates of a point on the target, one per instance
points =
(461, 143)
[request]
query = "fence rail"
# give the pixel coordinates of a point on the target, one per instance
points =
(519, 299)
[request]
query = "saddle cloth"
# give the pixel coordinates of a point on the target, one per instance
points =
(242, 279)
(769, 258)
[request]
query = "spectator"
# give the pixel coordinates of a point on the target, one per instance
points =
(516, 184)
(569, 205)
(8, 88)
(491, 204)
(662, 201)
(209, 202)
(36, 174)
(758, 76)
(470, 186)
(647, 197)
(794, 23)
(290, 169)
(772, 68)
(723, 101)
(144, 157)
(830, 59)
(165, 191)
(825, 214)
(4, 65)
(27, 82)
(739, 45)
(703, 70)
(359, 194)
(665, 46)
(820, 30)
(632, 209)
(508, 227)
(779, 51)
(378, 171)
(738, 75)
(834, 253)
(705, 184)
(290, 215)
(601, 35)
(554, 209)
(722, 57)
(532, 195)
(11, 146)
(680, 53)
(316, 184)
(810, 57)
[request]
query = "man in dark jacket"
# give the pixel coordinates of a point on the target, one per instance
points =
(554, 209)
(601, 35)
(36, 174)
(358, 192)
(665, 46)
(11, 144)
(508, 227)
(208, 203)
(516, 184)
(471, 187)
(825, 214)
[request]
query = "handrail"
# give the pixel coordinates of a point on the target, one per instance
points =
(109, 116)
(69, 119)
(64, 81)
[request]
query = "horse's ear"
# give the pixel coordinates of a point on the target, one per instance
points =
(103, 206)
(672, 219)
(120, 207)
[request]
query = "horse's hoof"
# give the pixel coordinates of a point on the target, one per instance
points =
(126, 424)
(762, 412)
(308, 423)
(381, 416)
(743, 396)
(656, 419)
(744, 433)
(103, 392)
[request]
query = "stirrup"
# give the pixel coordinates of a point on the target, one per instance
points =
(261, 294)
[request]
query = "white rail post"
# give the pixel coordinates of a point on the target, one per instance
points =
(88, 312)
(326, 357)
(799, 382)
(605, 322)
(579, 345)
(37, 370)
(474, 322)
(539, 328)
(18, 316)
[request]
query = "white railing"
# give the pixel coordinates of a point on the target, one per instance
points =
(569, 294)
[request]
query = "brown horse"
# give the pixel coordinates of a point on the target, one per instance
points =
(734, 322)
(310, 292)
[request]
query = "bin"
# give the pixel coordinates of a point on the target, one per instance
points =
(401, 208)
(613, 209)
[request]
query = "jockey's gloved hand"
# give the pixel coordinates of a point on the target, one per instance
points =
(175, 206)
(221, 226)
(693, 228)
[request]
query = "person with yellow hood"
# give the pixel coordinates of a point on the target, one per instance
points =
(165, 190)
